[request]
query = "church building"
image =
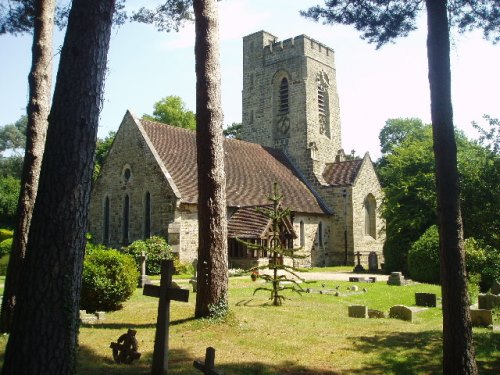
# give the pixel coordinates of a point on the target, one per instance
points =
(291, 135)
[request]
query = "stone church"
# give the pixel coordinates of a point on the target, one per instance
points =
(292, 136)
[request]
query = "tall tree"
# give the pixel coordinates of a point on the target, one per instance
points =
(212, 248)
(380, 23)
(172, 110)
(45, 326)
(39, 79)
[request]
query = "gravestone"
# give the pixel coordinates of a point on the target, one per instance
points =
(207, 367)
(488, 301)
(358, 311)
(425, 299)
(401, 312)
(144, 279)
(165, 292)
(375, 314)
(359, 267)
(481, 317)
(373, 261)
(396, 278)
(495, 288)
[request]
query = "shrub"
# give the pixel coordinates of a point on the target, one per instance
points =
(182, 268)
(491, 270)
(423, 257)
(5, 234)
(109, 279)
(5, 247)
(155, 248)
(482, 260)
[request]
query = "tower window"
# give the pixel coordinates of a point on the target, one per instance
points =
(283, 105)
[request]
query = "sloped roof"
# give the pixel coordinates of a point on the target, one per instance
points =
(247, 222)
(342, 173)
(251, 170)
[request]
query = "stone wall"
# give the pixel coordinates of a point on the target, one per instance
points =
(130, 151)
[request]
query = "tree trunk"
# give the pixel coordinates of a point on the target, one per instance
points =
(45, 326)
(39, 79)
(458, 350)
(212, 251)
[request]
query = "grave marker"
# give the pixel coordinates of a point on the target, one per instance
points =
(358, 311)
(207, 367)
(401, 312)
(166, 293)
(359, 267)
(425, 299)
(481, 317)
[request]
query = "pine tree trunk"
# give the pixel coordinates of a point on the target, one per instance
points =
(212, 251)
(458, 350)
(39, 79)
(45, 326)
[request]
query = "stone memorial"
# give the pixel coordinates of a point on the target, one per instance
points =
(425, 299)
(207, 367)
(481, 317)
(125, 349)
(373, 261)
(359, 267)
(401, 312)
(396, 278)
(144, 279)
(358, 311)
(165, 292)
(488, 301)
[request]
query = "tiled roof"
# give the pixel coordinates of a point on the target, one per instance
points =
(248, 222)
(342, 173)
(251, 170)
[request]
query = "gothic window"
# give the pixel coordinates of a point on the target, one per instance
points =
(126, 219)
(105, 234)
(126, 173)
(323, 114)
(147, 215)
(320, 234)
(370, 217)
(283, 104)
(302, 234)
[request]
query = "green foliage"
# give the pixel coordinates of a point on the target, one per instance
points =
(407, 176)
(11, 166)
(277, 248)
(156, 249)
(9, 196)
(101, 152)
(182, 268)
(168, 16)
(489, 138)
(172, 111)
(5, 247)
(233, 131)
(6, 233)
(13, 136)
(423, 257)
(109, 279)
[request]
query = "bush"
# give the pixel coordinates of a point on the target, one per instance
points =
(5, 247)
(155, 248)
(5, 234)
(109, 279)
(182, 268)
(423, 257)
(491, 270)
(482, 260)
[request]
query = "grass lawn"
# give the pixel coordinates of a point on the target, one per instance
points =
(311, 334)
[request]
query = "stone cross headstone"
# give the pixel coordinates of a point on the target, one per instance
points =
(359, 267)
(207, 367)
(166, 293)
(144, 277)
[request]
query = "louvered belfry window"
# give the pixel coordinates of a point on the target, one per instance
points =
(283, 109)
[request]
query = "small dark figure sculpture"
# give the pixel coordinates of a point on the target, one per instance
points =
(125, 349)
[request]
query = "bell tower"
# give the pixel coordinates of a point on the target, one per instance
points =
(290, 99)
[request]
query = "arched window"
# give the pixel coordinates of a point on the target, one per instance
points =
(105, 227)
(283, 104)
(126, 218)
(320, 234)
(302, 234)
(370, 217)
(147, 215)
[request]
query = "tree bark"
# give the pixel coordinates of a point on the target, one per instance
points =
(212, 251)
(458, 350)
(45, 326)
(40, 80)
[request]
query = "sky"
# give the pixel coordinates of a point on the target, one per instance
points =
(145, 65)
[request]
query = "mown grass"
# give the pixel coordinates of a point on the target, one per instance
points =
(309, 334)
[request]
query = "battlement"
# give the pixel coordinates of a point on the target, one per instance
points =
(302, 43)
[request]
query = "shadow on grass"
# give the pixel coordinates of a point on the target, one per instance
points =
(409, 353)
(133, 325)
